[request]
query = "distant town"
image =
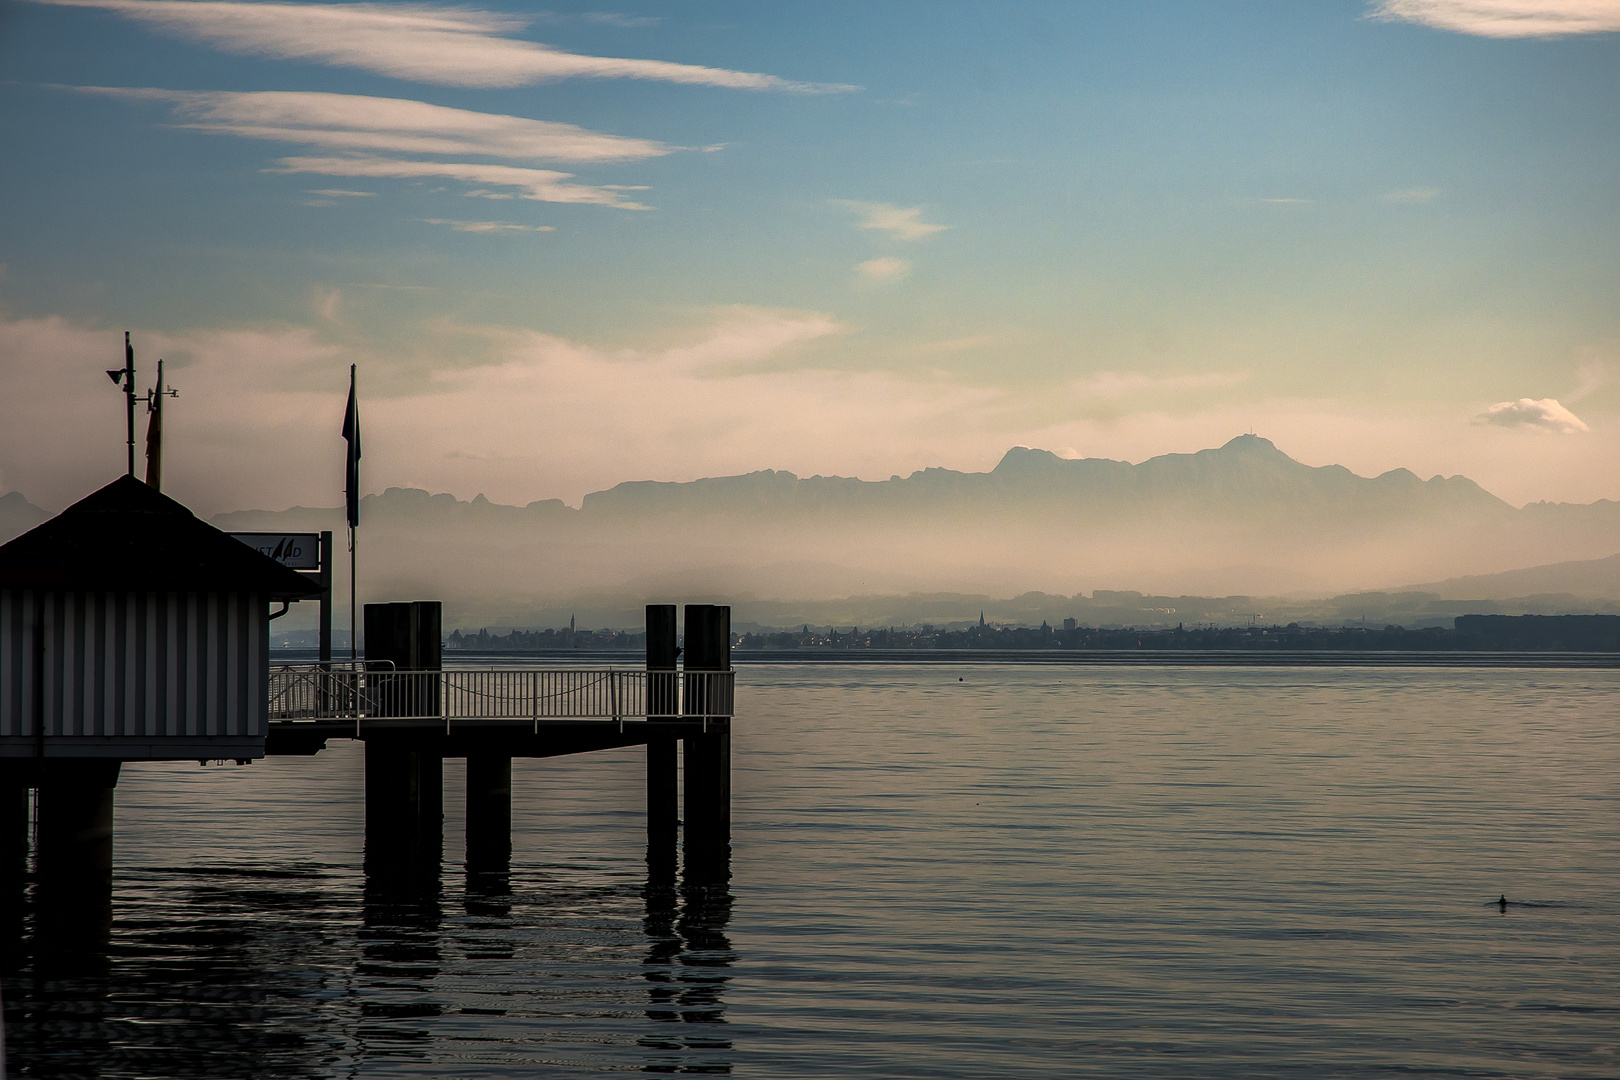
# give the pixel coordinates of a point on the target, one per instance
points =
(1469, 633)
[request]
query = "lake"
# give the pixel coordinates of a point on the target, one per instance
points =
(972, 870)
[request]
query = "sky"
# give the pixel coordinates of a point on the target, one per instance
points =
(570, 246)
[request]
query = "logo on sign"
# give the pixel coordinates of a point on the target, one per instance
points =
(296, 551)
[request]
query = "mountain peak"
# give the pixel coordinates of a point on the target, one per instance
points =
(1252, 444)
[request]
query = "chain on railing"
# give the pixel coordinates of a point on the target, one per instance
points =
(533, 695)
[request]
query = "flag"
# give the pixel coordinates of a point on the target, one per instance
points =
(154, 448)
(351, 472)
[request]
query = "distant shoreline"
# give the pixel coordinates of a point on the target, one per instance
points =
(1057, 657)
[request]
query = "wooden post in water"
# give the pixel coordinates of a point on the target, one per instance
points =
(404, 768)
(404, 805)
(13, 827)
(489, 811)
(663, 700)
(75, 855)
(707, 754)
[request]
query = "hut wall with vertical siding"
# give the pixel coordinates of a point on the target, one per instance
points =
(152, 671)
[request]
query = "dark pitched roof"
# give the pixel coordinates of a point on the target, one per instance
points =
(128, 536)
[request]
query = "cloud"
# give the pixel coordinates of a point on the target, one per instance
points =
(886, 268)
(429, 43)
(536, 416)
(487, 226)
(342, 193)
(1507, 18)
(1546, 414)
(901, 222)
(543, 185)
(1412, 196)
(1590, 377)
(1112, 385)
(352, 122)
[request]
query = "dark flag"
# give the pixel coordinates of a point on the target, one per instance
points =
(154, 448)
(351, 473)
(154, 433)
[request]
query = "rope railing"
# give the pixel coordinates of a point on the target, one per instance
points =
(303, 692)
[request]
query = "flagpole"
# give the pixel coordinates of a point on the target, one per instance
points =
(351, 509)
(354, 639)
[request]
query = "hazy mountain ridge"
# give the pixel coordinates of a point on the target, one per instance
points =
(1597, 579)
(1248, 475)
(1240, 520)
(18, 515)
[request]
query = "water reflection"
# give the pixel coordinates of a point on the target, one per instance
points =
(211, 994)
(400, 956)
(686, 965)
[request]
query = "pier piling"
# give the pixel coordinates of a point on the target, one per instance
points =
(404, 805)
(663, 700)
(489, 811)
(706, 755)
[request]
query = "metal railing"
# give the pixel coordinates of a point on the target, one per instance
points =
(501, 695)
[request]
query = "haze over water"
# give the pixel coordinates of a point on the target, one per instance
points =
(1035, 871)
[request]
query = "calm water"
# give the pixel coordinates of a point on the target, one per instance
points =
(1032, 872)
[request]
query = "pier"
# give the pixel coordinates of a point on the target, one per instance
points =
(130, 631)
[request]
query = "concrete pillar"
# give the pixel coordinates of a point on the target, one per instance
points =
(663, 804)
(13, 827)
(76, 817)
(404, 805)
(663, 694)
(407, 636)
(13, 856)
(707, 754)
(707, 768)
(489, 811)
(74, 860)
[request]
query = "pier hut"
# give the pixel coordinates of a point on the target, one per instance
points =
(129, 631)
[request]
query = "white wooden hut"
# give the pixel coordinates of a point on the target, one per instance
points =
(130, 629)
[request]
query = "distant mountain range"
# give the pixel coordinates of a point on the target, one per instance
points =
(1241, 519)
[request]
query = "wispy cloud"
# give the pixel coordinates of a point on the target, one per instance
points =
(430, 43)
(1412, 196)
(354, 122)
(1545, 413)
(342, 193)
(1114, 385)
(901, 222)
(487, 226)
(543, 185)
(886, 268)
(1507, 18)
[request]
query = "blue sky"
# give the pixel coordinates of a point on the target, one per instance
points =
(572, 246)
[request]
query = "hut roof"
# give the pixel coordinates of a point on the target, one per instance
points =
(128, 536)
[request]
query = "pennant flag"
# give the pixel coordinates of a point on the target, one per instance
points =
(154, 449)
(351, 473)
(154, 434)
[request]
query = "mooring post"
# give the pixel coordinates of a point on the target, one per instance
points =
(75, 854)
(489, 811)
(663, 701)
(404, 768)
(13, 826)
(707, 753)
